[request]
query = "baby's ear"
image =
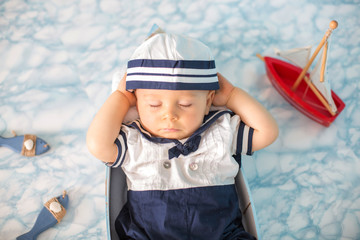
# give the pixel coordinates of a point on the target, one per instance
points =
(209, 100)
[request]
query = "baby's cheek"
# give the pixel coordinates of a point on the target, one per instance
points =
(195, 120)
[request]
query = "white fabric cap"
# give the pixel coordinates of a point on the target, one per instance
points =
(173, 62)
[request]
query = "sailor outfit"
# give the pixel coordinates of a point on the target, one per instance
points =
(180, 189)
(183, 190)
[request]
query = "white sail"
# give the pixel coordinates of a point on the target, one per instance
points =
(323, 87)
(298, 56)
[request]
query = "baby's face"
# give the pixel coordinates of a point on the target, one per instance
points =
(173, 114)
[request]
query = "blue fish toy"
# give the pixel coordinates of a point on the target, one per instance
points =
(27, 145)
(52, 213)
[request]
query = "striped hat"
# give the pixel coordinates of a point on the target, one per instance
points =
(173, 62)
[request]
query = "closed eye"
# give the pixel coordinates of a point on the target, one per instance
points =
(154, 105)
(185, 105)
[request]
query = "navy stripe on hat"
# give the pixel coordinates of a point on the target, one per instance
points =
(171, 74)
(171, 85)
(164, 63)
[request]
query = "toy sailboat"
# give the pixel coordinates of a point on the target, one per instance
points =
(27, 145)
(310, 93)
(52, 213)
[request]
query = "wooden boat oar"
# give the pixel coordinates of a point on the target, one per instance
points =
(333, 25)
(313, 88)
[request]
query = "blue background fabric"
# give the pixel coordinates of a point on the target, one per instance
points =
(57, 61)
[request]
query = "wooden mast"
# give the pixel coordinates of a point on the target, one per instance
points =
(333, 25)
(323, 62)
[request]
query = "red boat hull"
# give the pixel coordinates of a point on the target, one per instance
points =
(283, 75)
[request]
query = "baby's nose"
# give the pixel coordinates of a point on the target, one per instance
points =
(170, 113)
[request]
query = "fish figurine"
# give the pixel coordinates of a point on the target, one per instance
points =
(52, 213)
(27, 145)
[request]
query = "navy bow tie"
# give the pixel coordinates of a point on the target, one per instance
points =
(186, 148)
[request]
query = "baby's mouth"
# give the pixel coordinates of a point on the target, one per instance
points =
(170, 130)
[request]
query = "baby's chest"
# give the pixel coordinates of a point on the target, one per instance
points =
(152, 169)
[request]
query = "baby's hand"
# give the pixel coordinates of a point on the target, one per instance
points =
(222, 95)
(129, 95)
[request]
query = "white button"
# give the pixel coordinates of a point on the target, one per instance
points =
(193, 166)
(55, 207)
(167, 164)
